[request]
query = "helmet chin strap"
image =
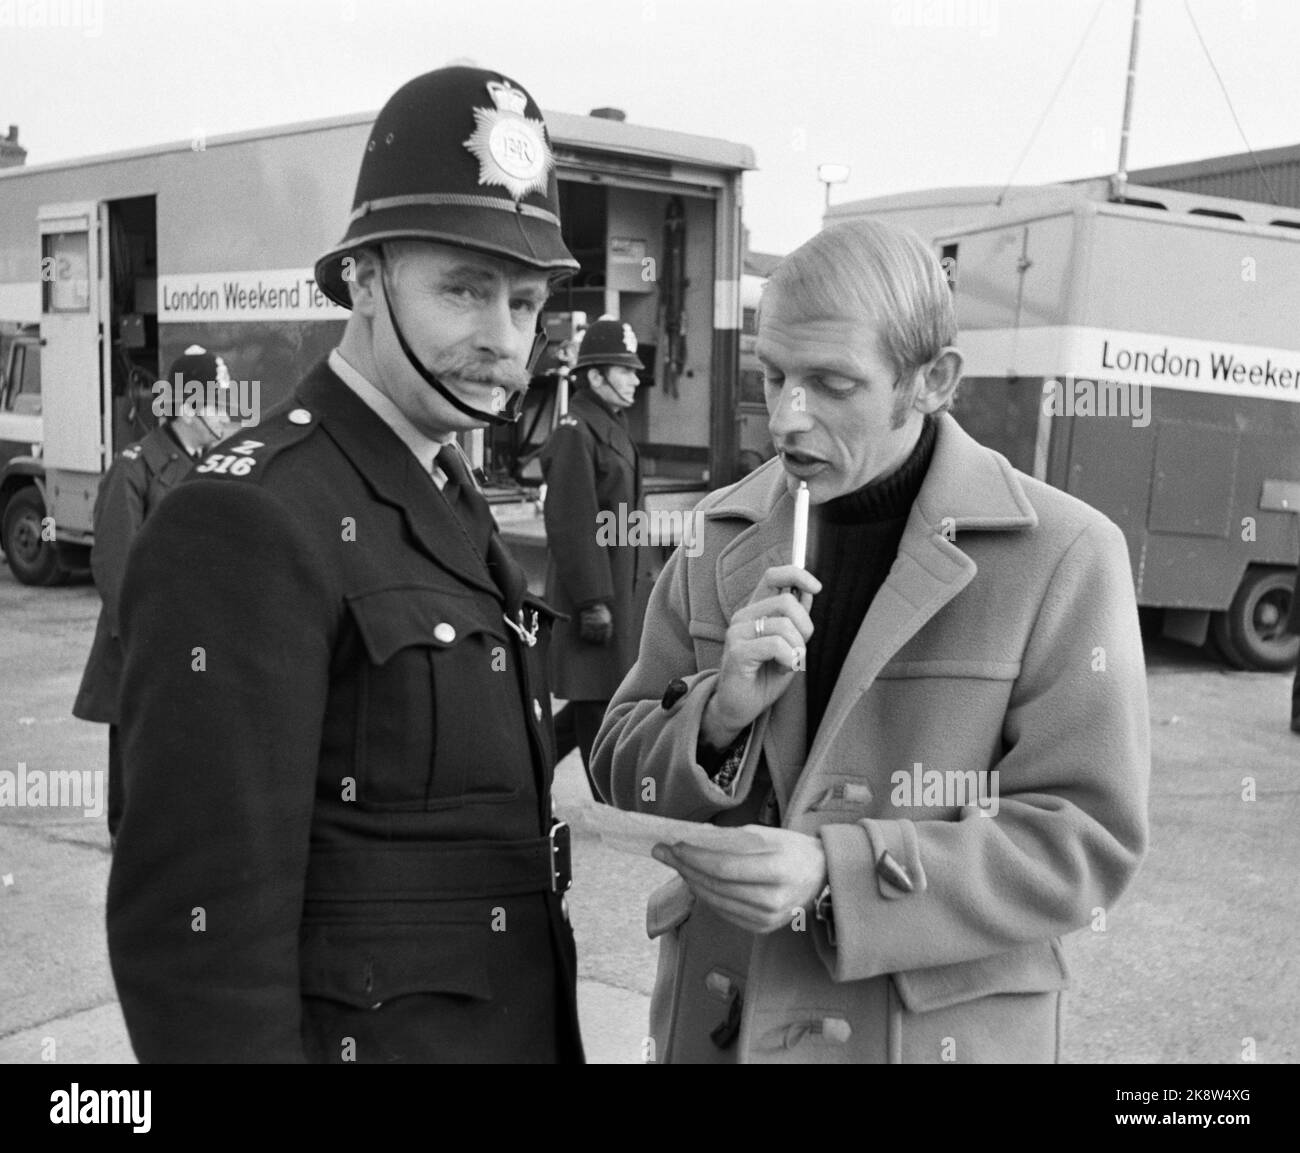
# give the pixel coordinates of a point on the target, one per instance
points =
(514, 407)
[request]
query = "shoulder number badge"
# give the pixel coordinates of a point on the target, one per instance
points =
(511, 149)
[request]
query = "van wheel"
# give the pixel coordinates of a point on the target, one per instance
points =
(33, 561)
(1251, 633)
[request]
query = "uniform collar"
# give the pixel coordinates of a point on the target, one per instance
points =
(397, 478)
(161, 448)
(426, 450)
(608, 425)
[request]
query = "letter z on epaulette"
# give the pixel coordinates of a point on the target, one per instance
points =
(241, 456)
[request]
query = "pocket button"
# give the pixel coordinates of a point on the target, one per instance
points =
(444, 633)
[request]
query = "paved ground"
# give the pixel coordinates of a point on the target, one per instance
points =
(1197, 963)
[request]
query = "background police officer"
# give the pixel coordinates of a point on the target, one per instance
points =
(142, 474)
(338, 840)
(592, 468)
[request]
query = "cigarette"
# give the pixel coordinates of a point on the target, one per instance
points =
(799, 551)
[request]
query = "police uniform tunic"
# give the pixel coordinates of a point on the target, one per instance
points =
(139, 478)
(338, 759)
(591, 468)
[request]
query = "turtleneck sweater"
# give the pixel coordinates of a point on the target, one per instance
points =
(859, 536)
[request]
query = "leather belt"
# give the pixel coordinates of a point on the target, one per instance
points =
(446, 870)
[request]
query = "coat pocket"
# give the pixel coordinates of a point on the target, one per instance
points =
(434, 667)
(367, 964)
(1004, 1008)
(377, 991)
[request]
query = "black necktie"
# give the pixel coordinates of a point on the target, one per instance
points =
(465, 499)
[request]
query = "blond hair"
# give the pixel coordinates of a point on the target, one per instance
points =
(879, 273)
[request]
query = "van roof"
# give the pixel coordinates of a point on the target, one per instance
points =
(1048, 199)
(566, 129)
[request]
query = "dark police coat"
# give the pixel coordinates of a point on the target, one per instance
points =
(138, 479)
(338, 762)
(591, 467)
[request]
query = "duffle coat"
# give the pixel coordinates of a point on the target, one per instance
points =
(1002, 653)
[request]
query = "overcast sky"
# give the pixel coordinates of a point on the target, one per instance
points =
(908, 93)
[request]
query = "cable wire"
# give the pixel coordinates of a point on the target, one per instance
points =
(1228, 100)
(1043, 119)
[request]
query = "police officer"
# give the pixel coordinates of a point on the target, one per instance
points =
(593, 484)
(338, 842)
(142, 474)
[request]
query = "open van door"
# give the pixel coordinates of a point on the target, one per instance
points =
(75, 377)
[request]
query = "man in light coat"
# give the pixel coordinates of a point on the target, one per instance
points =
(938, 732)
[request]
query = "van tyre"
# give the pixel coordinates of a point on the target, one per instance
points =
(32, 560)
(1251, 632)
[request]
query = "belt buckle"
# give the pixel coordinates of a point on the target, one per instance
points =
(561, 857)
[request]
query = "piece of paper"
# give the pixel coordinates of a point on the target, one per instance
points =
(640, 832)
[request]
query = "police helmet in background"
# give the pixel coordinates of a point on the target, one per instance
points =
(198, 374)
(457, 156)
(609, 342)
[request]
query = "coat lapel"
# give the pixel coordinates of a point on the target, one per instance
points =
(967, 487)
(395, 476)
(165, 458)
(607, 427)
(740, 565)
(927, 573)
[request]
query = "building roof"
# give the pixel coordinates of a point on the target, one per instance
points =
(762, 263)
(1217, 165)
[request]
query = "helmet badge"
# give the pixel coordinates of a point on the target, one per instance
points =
(629, 338)
(511, 149)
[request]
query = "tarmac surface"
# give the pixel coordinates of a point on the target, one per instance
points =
(1198, 962)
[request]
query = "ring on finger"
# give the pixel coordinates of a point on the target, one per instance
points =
(759, 626)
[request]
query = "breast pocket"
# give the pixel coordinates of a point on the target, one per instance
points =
(437, 703)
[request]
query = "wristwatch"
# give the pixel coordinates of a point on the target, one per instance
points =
(824, 911)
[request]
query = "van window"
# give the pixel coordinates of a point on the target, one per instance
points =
(25, 389)
(67, 255)
(751, 386)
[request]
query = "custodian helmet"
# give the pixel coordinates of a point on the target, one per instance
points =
(608, 342)
(457, 156)
(198, 376)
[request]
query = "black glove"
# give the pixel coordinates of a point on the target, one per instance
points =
(596, 624)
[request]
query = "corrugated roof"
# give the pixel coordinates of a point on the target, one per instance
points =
(1270, 176)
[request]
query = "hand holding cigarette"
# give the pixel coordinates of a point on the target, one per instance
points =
(767, 642)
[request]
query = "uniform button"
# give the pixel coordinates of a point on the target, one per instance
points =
(445, 633)
(300, 416)
(537, 710)
(564, 908)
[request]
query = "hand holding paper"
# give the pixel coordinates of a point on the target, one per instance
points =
(758, 891)
(639, 833)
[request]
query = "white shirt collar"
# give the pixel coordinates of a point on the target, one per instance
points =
(426, 450)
